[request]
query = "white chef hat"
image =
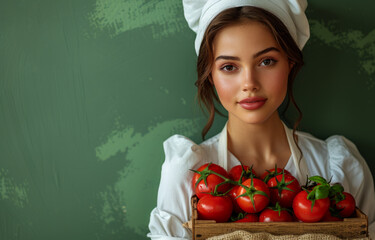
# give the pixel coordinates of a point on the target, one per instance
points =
(200, 13)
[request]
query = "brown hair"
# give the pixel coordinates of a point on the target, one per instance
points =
(206, 92)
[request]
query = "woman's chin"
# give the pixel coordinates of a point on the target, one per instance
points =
(256, 118)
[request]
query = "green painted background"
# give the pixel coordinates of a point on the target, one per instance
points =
(89, 89)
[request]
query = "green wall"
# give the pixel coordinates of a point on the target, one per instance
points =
(89, 90)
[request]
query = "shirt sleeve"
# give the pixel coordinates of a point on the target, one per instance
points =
(350, 169)
(175, 190)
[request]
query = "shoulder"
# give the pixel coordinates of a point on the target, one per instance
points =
(347, 164)
(341, 147)
(210, 145)
(179, 145)
(335, 157)
(350, 169)
(180, 149)
(336, 146)
(310, 140)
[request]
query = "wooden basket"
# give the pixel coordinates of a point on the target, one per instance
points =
(356, 227)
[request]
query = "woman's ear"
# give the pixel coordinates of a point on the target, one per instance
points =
(291, 64)
(210, 79)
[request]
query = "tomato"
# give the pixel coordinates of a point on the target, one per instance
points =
(283, 189)
(302, 207)
(255, 196)
(233, 194)
(200, 188)
(270, 215)
(218, 208)
(346, 206)
(268, 174)
(250, 217)
(236, 171)
(330, 216)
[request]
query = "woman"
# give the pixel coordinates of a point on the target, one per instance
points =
(249, 52)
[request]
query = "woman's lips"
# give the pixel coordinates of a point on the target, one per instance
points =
(252, 103)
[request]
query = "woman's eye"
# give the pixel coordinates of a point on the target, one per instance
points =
(228, 68)
(267, 62)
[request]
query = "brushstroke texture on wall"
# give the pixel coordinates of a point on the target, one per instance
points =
(90, 89)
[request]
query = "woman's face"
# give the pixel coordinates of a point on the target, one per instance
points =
(250, 71)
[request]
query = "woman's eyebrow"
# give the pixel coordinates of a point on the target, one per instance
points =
(265, 51)
(224, 57)
(227, 58)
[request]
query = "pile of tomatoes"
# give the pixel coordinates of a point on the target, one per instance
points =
(276, 196)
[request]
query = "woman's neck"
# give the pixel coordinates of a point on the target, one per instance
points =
(261, 145)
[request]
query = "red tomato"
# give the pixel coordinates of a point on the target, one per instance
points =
(254, 201)
(328, 217)
(233, 194)
(302, 208)
(250, 217)
(346, 206)
(270, 215)
(268, 174)
(236, 171)
(218, 208)
(281, 193)
(212, 180)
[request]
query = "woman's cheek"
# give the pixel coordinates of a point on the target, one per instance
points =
(280, 86)
(278, 83)
(225, 88)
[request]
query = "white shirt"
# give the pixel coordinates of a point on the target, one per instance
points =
(336, 158)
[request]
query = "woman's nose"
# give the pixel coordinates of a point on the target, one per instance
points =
(250, 81)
